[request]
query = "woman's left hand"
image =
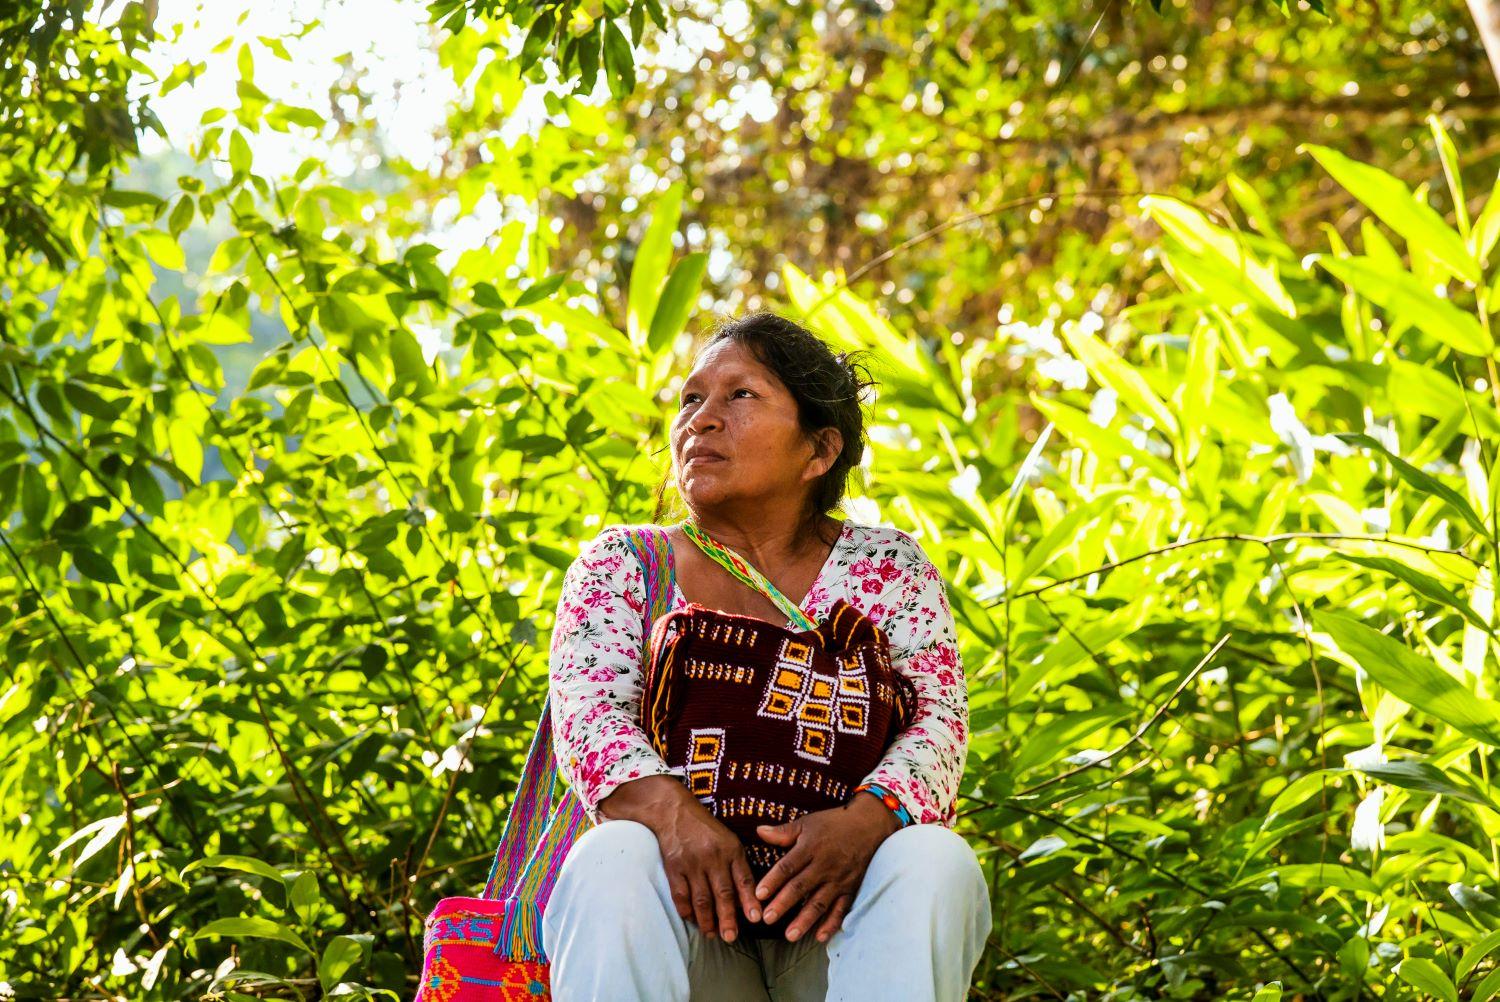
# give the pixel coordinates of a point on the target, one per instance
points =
(830, 851)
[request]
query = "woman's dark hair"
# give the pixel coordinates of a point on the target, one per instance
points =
(826, 385)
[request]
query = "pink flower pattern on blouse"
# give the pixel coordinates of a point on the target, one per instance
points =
(595, 671)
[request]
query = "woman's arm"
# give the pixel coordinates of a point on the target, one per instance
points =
(925, 763)
(595, 673)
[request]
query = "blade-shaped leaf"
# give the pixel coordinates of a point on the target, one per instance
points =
(1398, 208)
(1414, 679)
(676, 303)
(1407, 299)
(1110, 370)
(1422, 481)
(252, 926)
(652, 259)
(1414, 774)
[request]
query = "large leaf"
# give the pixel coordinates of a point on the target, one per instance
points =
(1110, 370)
(1413, 774)
(1407, 299)
(1424, 482)
(1423, 584)
(652, 258)
(1413, 678)
(254, 927)
(1425, 976)
(1394, 203)
(677, 301)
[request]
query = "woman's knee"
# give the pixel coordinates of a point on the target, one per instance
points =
(932, 856)
(617, 846)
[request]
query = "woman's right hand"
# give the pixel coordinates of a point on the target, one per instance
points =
(706, 864)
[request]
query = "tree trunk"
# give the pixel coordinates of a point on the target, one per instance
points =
(1487, 20)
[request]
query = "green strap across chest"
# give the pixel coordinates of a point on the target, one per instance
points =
(743, 570)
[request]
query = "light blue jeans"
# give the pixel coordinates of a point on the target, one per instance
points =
(914, 932)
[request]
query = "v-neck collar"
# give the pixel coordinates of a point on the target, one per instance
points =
(828, 562)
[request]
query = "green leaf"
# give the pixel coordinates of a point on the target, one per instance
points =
(1448, 155)
(1487, 988)
(1414, 679)
(1424, 975)
(339, 955)
(1423, 584)
(677, 301)
(1486, 231)
(92, 564)
(652, 258)
(536, 38)
(1110, 370)
(239, 153)
(1268, 993)
(1474, 954)
(100, 834)
(1399, 209)
(304, 895)
(245, 864)
(187, 448)
(619, 62)
(1422, 481)
(253, 927)
(537, 291)
(1400, 294)
(1413, 774)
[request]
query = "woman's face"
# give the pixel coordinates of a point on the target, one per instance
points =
(736, 436)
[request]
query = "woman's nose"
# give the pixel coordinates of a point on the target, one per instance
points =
(704, 416)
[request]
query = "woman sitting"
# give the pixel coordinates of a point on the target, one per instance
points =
(887, 901)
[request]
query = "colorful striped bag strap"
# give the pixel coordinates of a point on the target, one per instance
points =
(541, 825)
(746, 572)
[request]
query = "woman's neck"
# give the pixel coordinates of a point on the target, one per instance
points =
(765, 541)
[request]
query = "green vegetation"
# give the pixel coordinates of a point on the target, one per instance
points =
(1189, 330)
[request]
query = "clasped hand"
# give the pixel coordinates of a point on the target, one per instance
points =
(827, 854)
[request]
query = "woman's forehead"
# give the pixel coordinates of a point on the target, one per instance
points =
(720, 363)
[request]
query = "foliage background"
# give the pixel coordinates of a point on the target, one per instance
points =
(301, 423)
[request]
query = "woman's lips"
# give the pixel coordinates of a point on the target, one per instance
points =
(705, 459)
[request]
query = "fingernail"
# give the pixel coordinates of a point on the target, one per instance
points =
(755, 915)
(792, 935)
(729, 937)
(771, 916)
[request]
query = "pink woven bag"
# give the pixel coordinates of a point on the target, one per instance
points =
(489, 948)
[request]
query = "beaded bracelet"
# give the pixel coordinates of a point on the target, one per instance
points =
(889, 799)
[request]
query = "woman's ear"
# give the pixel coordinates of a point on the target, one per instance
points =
(827, 444)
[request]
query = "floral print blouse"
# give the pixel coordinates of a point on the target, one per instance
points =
(595, 665)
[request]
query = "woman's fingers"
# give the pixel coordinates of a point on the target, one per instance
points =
(799, 882)
(682, 896)
(724, 900)
(835, 917)
(744, 882)
(813, 910)
(779, 873)
(703, 903)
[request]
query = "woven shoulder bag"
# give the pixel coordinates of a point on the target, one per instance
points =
(489, 948)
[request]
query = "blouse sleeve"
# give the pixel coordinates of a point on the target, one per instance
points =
(595, 672)
(925, 763)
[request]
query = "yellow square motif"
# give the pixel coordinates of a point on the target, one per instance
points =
(854, 715)
(789, 679)
(701, 782)
(815, 713)
(779, 704)
(705, 747)
(821, 689)
(815, 741)
(853, 684)
(797, 653)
